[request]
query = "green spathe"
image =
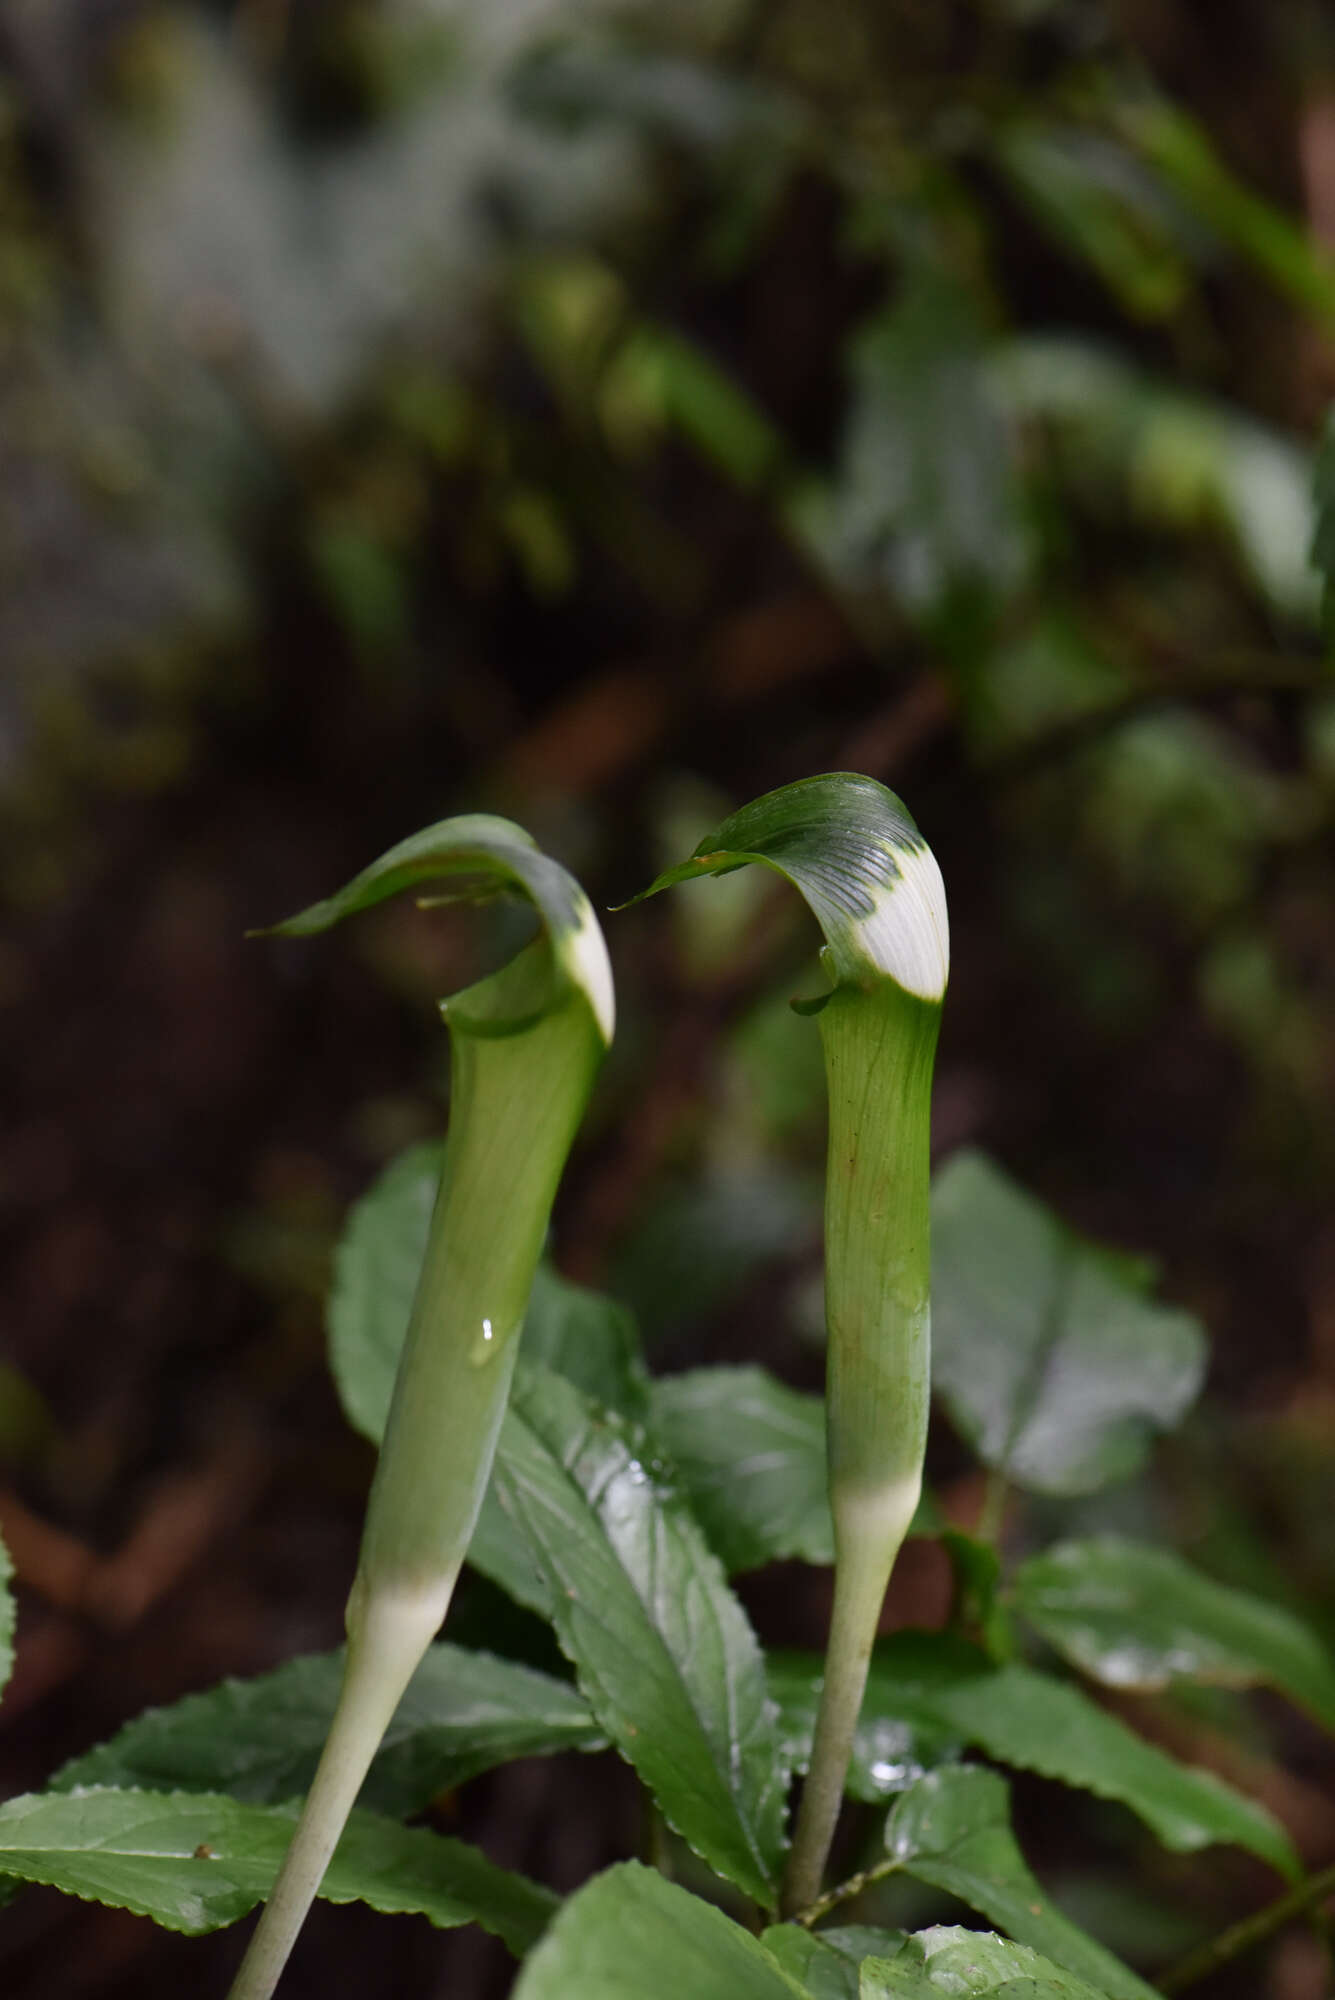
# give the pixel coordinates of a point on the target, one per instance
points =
(525, 1047)
(492, 857)
(853, 851)
(872, 882)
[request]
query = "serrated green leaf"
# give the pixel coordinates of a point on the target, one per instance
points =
(376, 1267)
(259, 1740)
(194, 1861)
(751, 1453)
(661, 1647)
(1050, 1358)
(897, 1740)
(6, 1617)
(631, 1935)
(1138, 1617)
(1021, 1717)
(700, 1244)
(976, 1609)
(960, 1963)
(498, 1551)
(590, 1339)
(825, 1963)
(953, 1831)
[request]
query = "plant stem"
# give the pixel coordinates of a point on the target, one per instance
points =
(873, 885)
(386, 1640)
(1253, 1930)
(878, 1058)
(656, 1845)
(516, 1099)
(844, 1892)
(859, 1590)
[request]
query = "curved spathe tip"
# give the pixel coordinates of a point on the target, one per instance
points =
(488, 856)
(851, 848)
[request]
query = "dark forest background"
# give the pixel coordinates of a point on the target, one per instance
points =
(601, 414)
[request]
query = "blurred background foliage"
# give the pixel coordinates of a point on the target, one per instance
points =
(602, 413)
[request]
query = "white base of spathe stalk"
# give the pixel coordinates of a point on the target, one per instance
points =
(869, 1532)
(388, 1633)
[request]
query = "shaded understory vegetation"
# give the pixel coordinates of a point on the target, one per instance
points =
(602, 416)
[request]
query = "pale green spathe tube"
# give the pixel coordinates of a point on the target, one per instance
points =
(526, 1044)
(851, 849)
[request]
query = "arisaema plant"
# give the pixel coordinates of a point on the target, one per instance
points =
(619, 1505)
(848, 845)
(526, 1044)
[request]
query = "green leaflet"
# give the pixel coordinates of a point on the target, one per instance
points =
(590, 1339)
(630, 1935)
(826, 1963)
(1050, 1358)
(703, 1240)
(194, 1862)
(961, 1963)
(661, 1647)
(751, 1453)
(935, 1683)
(953, 1831)
(376, 1267)
(259, 1740)
(897, 1741)
(1137, 1617)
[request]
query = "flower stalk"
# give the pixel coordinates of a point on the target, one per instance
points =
(852, 850)
(879, 1053)
(526, 1044)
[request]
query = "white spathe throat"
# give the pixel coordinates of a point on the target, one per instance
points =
(585, 952)
(906, 935)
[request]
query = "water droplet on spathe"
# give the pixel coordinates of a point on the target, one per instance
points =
(485, 1346)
